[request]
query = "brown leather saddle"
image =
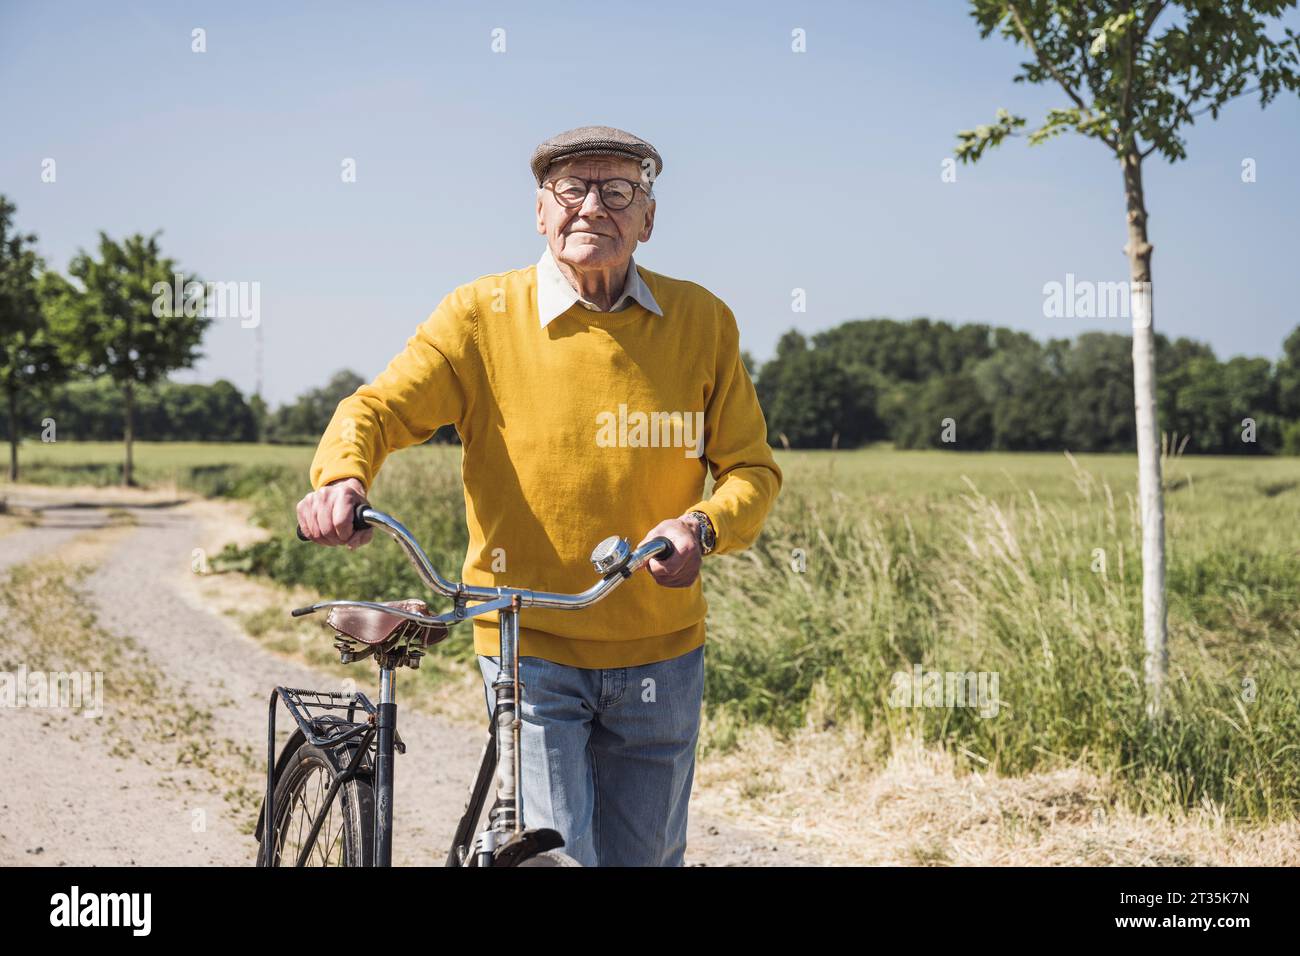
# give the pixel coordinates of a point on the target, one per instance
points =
(371, 627)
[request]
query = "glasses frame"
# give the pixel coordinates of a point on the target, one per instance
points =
(550, 185)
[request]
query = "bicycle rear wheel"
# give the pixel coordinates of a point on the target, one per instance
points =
(346, 836)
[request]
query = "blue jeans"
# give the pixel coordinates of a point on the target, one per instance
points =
(608, 755)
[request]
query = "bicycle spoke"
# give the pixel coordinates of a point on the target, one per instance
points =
(297, 842)
(306, 800)
(321, 780)
(337, 840)
(321, 848)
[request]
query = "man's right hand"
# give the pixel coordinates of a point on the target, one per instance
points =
(325, 515)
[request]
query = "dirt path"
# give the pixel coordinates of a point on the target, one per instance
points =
(173, 773)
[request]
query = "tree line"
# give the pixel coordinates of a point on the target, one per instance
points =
(92, 410)
(861, 382)
(926, 384)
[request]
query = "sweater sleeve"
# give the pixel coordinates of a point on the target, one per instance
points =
(745, 473)
(421, 390)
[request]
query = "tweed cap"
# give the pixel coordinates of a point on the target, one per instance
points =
(593, 141)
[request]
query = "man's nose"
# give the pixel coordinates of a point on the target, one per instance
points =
(592, 204)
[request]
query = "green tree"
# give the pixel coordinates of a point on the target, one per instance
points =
(30, 358)
(131, 321)
(306, 419)
(1098, 378)
(1288, 377)
(91, 410)
(1136, 73)
(1023, 393)
(1210, 402)
(945, 411)
(257, 405)
(811, 401)
(910, 351)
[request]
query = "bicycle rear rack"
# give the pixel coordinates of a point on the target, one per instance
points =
(317, 714)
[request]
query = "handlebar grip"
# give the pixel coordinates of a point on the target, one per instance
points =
(668, 550)
(358, 523)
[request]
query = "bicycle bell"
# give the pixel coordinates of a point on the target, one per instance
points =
(610, 555)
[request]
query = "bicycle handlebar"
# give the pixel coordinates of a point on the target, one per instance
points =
(616, 563)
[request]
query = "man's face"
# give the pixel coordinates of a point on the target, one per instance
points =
(593, 236)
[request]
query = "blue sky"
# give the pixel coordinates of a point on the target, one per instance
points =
(818, 171)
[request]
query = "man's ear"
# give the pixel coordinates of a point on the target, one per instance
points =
(649, 225)
(541, 219)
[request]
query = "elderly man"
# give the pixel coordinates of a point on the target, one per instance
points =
(589, 394)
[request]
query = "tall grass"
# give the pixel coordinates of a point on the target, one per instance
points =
(1015, 587)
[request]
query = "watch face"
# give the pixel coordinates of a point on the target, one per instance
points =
(703, 531)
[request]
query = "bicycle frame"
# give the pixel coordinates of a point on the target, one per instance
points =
(504, 839)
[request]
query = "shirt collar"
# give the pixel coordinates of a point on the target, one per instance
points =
(555, 296)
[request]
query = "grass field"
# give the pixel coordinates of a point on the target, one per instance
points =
(209, 468)
(876, 562)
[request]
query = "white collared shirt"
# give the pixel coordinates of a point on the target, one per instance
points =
(555, 296)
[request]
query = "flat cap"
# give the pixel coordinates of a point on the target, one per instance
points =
(593, 141)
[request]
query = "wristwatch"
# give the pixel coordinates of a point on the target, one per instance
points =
(704, 532)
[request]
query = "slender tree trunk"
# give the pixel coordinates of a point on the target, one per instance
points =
(1150, 493)
(13, 434)
(128, 477)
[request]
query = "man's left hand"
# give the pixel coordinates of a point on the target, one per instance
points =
(681, 570)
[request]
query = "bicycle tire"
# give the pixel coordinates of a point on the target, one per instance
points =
(549, 858)
(349, 825)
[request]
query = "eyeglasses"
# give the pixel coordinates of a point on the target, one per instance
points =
(571, 192)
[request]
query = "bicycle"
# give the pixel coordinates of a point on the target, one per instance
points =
(343, 747)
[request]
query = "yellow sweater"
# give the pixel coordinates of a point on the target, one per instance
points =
(573, 432)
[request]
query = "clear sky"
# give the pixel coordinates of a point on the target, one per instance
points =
(818, 170)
